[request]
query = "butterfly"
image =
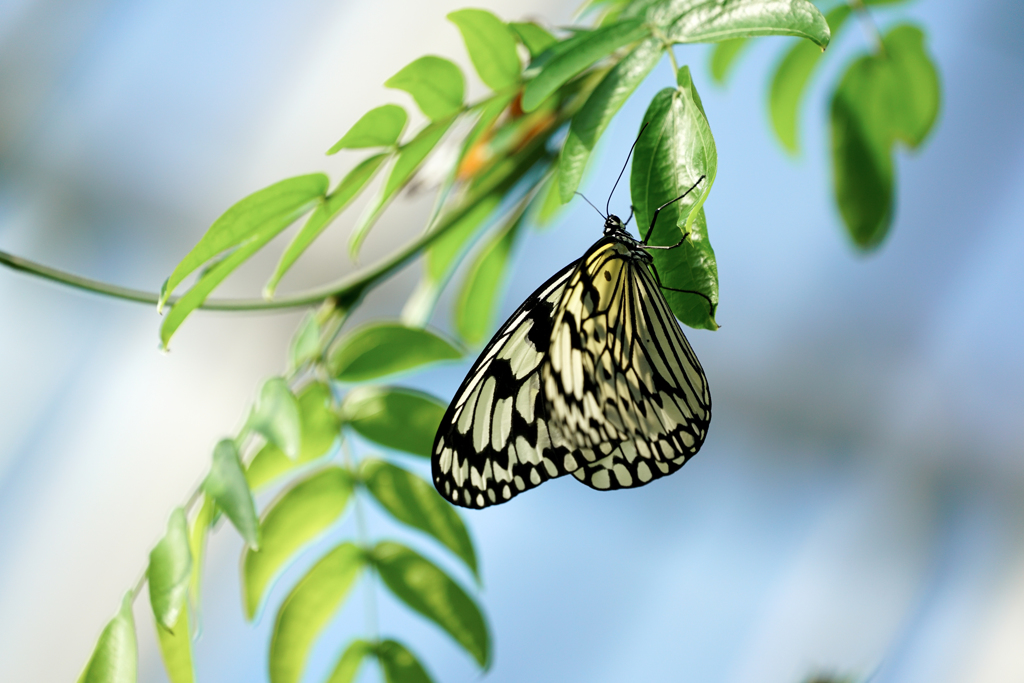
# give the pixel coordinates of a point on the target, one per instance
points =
(591, 376)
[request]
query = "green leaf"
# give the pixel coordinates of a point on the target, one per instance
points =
(399, 665)
(671, 155)
(170, 565)
(444, 253)
(474, 154)
(347, 190)
(258, 217)
(426, 589)
(176, 649)
(434, 82)
(227, 486)
(710, 22)
(380, 127)
(791, 79)
(276, 417)
(403, 419)
(308, 609)
(348, 665)
(115, 659)
(480, 296)
(409, 159)
(917, 90)
(297, 517)
(320, 429)
(582, 53)
(491, 46)
(724, 55)
(604, 102)
(197, 547)
(305, 346)
(378, 349)
(533, 37)
(414, 502)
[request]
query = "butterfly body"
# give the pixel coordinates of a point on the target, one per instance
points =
(591, 376)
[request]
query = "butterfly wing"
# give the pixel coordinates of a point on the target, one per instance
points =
(494, 441)
(621, 383)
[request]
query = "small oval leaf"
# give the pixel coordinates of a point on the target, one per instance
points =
(176, 649)
(276, 417)
(380, 349)
(380, 127)
(348, 664)
(491, 47)
(170, 565)
(115, 659)
(435, 83)
(712, 22)
(399, 665)
(227, 486)
(403, 419)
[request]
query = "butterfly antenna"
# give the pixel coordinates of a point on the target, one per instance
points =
(607, 204)
(592, 204)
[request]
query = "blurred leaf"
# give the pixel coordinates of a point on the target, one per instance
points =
(380, 127)
(604, 102)
(409, 158)
(227, 486)
(115, 659)
(428, 590)
(444, 253)
(790, 82)
(474, 155)
(176, 649)
(724, 55)
(671, 155)
(308, 609)
(479, 296)
(535, 38)
(579, 55)
(347, 190)
(348, 665)
(403, 419)
(435, 83)
(917, 92)
(170, 565)
(197, 547)
(704, 22)
(305, 346)
(296, 518)
(378, 349)
(276, 417)
(550, 201)
(491, 46)
(399, 665)
(413, 501)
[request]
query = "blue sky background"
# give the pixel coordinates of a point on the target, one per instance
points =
(856, 508)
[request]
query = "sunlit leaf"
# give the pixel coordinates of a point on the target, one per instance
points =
(227, 486)
(479, 296)
(491, 46)
(425, 588)
(399, 665)
(176, 649)
(445, 251)
(709, 22)
(350, 661)
(403, 419)
(476, 153)
(535, 38)
(308, 609)
(276, 417)
(295, 519)
(435, 83)
(197, 533)
(305, 346)
(170, 565)
(724, 55)
(115, 659)
(378, 349)
(380, 127)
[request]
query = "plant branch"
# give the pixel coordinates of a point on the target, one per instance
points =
(870, 27)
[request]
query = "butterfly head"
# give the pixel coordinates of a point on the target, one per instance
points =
(613, 224)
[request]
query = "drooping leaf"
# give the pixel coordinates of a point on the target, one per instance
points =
(426, 589)
(305, 346)
(724, 55)
(348, 664)
(791, 79)
(604, 102)
(276, 417)
(169, 571)
(399, 665)
(435, 83)
(533, 37)
(491, 46)
(582, 51)
(227, 486)
(198, 530)
(295, 519)
(413, 501)
(115, 659)
(710, 22)
(378, 349)
(479, 297)
(403, 419)
(320, 430)
(380, 127)
(176, 649)
(347, 190)
(308, 609)
(917, 89)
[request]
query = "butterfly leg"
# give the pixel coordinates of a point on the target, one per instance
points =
(657, 278)
(654, 218)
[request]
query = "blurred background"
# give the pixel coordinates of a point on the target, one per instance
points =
(858, 507)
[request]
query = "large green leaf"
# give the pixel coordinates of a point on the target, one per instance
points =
(399, 665)
(115, 659)
(479, 296)
(227, 486)
(670, 157)
(169, 571)
(435, 83)
(710, 22)
(413, 501)
(604, 102)
(380, 127)
(308, 609)
(491, 46)
(403, 419)
(296, 518)
(582, 51)
(724, 55)
(425, 588)
(378, 349)
(348, 664)
(791, 79)
(176, 649)
(276, 417)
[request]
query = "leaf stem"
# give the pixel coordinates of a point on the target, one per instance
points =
(870, 27)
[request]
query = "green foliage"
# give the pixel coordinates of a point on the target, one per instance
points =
(115, 659)
(402, 419)
(479, 296)
(170, 564)
(380, 349)
(435, 83)
(724, 56)
(227, 487)
(176, 649)
(276, 417)
(491, 45)
(380, 127)
(399, 665)
(348, 664)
